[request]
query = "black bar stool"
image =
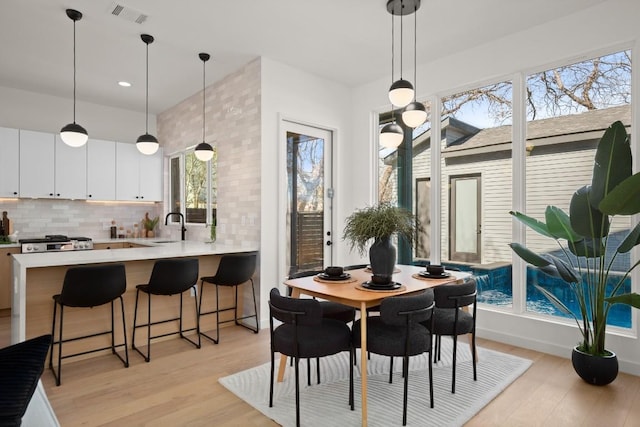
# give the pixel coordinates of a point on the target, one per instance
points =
(168, 277)
(233, 270)
(90, 286)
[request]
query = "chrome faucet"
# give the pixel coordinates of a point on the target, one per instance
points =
(183, 229)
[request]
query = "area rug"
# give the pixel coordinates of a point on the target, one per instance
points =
(326, 404)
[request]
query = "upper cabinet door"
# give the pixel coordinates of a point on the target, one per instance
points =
(151, 177)
(9, 162)
(127, 170)
(37, 149)
(70, 171)
(101, 170)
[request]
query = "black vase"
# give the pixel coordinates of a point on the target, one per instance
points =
(596, 370)
(382, 256)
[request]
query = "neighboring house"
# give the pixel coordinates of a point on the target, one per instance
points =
(477, 180)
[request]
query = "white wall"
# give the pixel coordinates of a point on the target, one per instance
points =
(295, 95)
(22, 109)
(609, 25)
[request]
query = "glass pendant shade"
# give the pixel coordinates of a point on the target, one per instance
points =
(401, 93)
(204, 152)
(414, 114)
(147, 144)
(74, 135)
(391, 135)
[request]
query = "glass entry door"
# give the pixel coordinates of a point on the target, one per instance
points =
(309, 197)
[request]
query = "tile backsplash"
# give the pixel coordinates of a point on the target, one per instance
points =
(39, 217)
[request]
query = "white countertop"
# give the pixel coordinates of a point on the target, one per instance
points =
(154, 251)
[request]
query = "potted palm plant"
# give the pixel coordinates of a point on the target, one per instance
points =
(589, 252)
(378, 224)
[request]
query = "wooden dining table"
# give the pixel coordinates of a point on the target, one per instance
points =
(351, 292)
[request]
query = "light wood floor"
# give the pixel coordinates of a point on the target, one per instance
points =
(179, 387)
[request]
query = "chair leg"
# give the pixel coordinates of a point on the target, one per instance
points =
(473, 355)
(182, 335)
(453, 372)
(297, 391)
(135, 325)
(391, 370)
(405, 373)
(255, 311)
(124, 334)
(53, 340)
(352, 356)
(430, 378)
(271, 383)
(318, 369)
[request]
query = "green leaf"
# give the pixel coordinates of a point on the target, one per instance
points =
(529, 256)
(555, 301)
(612, 163)
(632, 299)
(632, 239)
(590, 248)
(624, 199)
(559, 224)
(567, 273)
(585, 219)
(532, 223)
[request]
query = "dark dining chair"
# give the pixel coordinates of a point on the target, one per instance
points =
(451, 320)
(330, 310)
(399, 332)
(304, 333)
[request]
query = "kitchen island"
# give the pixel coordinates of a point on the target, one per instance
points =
(37, 277)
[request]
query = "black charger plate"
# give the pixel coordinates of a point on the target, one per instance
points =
(428, 275)
(343, 276)
(388, 287)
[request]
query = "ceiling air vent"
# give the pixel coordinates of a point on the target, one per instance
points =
(127, 13)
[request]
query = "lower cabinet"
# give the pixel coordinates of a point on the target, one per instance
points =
(5, 276)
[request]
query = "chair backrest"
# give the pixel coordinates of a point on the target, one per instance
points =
(301, 311)
(93, 285)
(401, 309)
(173, 276)
(235, 269)
(455, 295)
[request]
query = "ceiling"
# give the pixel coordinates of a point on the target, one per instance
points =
(347, 41)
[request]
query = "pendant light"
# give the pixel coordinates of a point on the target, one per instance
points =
(391, 135)
(73, 134)
(203, 150)
(147, 143)
(401, 91)
(415, 113)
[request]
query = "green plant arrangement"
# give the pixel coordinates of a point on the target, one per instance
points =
(584, 238)
(150, 224)
(377, 222)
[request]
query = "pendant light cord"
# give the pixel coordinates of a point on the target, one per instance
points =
(415, 52)
(146, 126)
(204, 70)
(401, 33)
(393, 43)
(74, 71)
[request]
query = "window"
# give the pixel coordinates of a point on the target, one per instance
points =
(193, 188)
(568, 109)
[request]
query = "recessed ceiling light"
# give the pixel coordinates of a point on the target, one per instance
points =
(124, 84)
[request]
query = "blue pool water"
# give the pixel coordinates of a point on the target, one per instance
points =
(494, 287)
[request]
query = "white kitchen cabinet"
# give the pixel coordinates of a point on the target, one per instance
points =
(70, 171)
(138, 176)
(101, 170)
(37, 151)
(9, 162)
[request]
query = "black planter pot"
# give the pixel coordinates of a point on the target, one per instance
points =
(382, 256)
(596, 370)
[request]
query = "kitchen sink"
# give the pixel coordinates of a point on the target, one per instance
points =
(166, 241)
